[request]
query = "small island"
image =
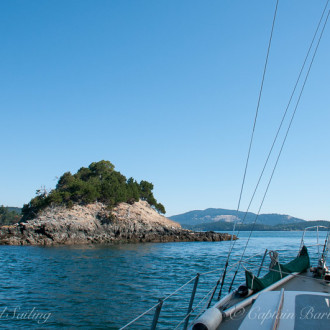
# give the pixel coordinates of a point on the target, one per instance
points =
(98, 205)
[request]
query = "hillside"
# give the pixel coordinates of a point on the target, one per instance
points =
(228, 227)
(17, 210)
(211, 216)
(9, 215)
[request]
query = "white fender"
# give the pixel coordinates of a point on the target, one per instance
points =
(209, 320)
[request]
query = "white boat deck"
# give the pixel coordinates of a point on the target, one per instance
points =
(303, 282)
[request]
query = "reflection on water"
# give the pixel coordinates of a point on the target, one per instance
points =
(107, 286)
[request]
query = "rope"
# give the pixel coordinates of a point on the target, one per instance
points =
(232, 245)
(250, 146)
(258, 106)
(193, 310)
(166, 298)
(212, 289)
(288, 129)
(172, 294)
(146, 312)
(181, 287)
(177, 290)
(273, 255)
(285, 113)
(274, 259)
(287, 132)
(202, 309)
(211, 271)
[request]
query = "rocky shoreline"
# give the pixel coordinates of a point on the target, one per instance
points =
(95, 224)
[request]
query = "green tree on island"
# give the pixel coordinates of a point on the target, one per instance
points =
(8, 217)
(99, 182)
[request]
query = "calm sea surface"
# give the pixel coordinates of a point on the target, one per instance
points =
(99, 287)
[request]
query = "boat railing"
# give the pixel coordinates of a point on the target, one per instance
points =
(197, 309)
(302, 242)
(202, 304)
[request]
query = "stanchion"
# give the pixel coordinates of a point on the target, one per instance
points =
(156, 316)
(191, 302)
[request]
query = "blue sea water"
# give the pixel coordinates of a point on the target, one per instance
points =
(105, 287)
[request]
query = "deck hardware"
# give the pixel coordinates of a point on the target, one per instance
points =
(157, 312)
(262, 262)
(191, 302)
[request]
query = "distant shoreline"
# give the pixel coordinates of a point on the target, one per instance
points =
(291, 227)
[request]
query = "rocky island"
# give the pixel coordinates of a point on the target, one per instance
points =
(97, 205)
(94, 224)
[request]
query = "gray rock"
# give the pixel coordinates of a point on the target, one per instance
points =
(95, 224)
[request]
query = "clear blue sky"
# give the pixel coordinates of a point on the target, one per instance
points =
(166, 90)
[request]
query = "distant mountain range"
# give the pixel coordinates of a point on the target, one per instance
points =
(222, 219)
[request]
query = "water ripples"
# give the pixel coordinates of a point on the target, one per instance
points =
(106, 287)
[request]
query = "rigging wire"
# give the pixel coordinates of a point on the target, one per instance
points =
(278, 157)
(256, 114)
(258, 106)
(284, 115)
(280, 126)
(284, 140)
(249, 152)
